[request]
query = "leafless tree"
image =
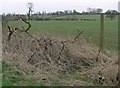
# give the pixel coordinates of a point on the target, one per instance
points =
(30, 7)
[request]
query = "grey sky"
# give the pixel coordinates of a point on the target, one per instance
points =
(20, 6)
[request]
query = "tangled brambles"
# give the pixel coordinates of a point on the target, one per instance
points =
(48, 59)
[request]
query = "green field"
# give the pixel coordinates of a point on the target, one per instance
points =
(13, 76)
(69, 29)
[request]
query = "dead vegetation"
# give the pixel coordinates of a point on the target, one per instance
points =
(47, 59)
(50, 59)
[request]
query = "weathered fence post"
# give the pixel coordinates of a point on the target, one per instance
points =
(101, 31)
(118, 78)
(4, 22)
(119, 48)
(0, 48)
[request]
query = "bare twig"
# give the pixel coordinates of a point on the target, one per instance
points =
(63, 46)
(77, 36)
(10, 32)
(98, 55)
(25, 30)
(29, 25)
(29, 34)
(30, 59)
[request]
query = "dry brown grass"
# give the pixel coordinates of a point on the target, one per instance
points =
(45, 59)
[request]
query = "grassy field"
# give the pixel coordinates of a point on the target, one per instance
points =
(13, 76)
(69, 29)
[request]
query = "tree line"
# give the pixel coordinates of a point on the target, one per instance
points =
(40, 15)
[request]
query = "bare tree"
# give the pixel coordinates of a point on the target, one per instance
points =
(30, 7)
(111, 14)
(99, 10)
(94, 10)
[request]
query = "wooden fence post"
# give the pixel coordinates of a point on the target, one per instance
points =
(118, 78)
(118, 48)
(101, 31)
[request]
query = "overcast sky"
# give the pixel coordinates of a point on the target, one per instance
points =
(20, 6)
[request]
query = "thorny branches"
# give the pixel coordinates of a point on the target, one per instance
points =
(28, 28)
(63, 43)
(11, 30)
